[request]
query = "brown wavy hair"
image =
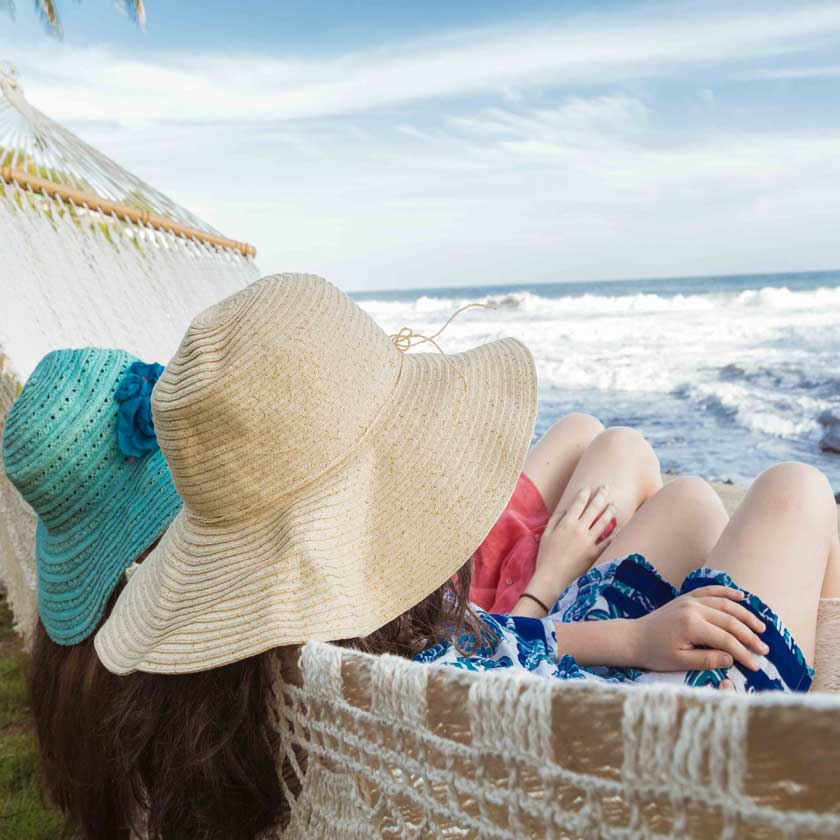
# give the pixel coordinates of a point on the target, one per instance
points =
(70, 694)
(200, 750)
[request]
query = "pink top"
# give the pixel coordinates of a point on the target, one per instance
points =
(504, 563)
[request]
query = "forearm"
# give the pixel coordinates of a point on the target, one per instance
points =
(607, 642)
(547, 587)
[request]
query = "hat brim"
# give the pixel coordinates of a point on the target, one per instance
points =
(357, 547)
(78, 568)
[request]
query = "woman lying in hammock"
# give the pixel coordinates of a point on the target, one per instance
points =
(336, 488)
(103, 496)
(781, 547)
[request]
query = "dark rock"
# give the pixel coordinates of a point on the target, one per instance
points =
(831, 441)
(730, 372)
(829, 418)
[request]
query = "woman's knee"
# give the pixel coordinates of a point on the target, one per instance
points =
(792, 488)
(630, 446)
(554, 458)
(582, 428)
(696, 500)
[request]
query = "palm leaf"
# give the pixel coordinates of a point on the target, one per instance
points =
(135, 10)
(45, 9)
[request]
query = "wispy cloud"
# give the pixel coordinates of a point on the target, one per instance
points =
(830, 71)
(587, 189)
(577, 121)
(97, 83)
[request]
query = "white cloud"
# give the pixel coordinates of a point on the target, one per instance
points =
(546, 195)
(589, 188)
(98, 83)
(577, 121)
(829, 71)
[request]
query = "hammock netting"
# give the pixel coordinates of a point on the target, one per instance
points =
(378, 746)
(96, 261)
(383, 747)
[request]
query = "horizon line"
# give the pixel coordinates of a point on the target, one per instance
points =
(652, 278)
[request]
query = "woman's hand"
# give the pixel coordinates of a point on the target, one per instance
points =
(706, 629)
(571, 543)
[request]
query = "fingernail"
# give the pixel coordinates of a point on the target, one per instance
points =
(765, 648)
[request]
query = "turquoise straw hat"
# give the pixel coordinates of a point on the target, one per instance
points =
(80, 447)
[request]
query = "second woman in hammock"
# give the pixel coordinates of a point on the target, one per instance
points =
(334, 489)
(79, 446)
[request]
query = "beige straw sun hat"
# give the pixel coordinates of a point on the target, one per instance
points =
(330, 480)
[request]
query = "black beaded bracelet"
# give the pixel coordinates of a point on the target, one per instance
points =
(535, 600)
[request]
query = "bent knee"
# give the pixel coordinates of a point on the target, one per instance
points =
(795, 473)
(582, 427)
(628, 443)
(694, 510)
(624, 438)
(793, 485)
(695, 493)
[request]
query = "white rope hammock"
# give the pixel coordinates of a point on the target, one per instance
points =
(90, 255)
(383, 747)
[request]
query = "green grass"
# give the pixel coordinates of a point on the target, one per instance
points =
(23, 814)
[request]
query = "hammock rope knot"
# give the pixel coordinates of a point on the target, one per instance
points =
(8, 76)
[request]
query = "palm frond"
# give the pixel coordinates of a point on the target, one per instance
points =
(46, 10)
(134, 9)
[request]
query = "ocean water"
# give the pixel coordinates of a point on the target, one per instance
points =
(724, 375)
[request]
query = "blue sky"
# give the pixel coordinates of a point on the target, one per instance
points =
(402, 145)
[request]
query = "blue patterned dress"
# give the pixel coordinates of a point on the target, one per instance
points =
(628, 588)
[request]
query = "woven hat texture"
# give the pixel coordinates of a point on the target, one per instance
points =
(330, 481)
(97, 509)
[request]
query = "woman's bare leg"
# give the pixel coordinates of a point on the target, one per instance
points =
(624, 461)
(782, 545)
(831, 584)
(675, 529)
(553, 458)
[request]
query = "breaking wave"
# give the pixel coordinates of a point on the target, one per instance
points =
(686, 366)
(595, 305)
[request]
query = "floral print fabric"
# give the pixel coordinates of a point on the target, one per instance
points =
(628, 588)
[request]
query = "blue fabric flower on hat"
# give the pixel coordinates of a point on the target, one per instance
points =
(135, 427)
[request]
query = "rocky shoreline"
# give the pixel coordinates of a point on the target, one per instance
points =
(830, 442)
